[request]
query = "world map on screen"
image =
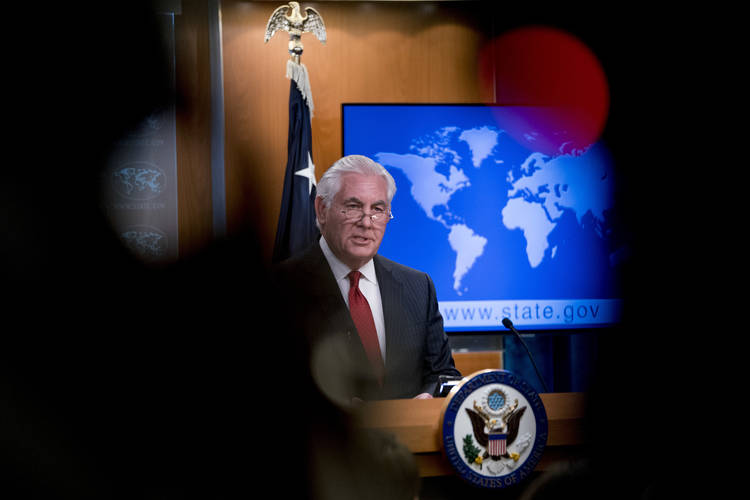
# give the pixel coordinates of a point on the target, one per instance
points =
(501, 228)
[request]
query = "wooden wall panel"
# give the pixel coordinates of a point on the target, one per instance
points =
(193, 127)
(376, 52)
(256, 107)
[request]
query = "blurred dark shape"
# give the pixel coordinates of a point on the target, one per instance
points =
(372, 465)
(119, 380)
(563, 480)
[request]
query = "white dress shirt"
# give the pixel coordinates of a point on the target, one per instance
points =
(368, 285)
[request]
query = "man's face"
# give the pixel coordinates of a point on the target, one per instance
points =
(354, 243)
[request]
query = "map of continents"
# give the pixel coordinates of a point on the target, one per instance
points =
(537, 192)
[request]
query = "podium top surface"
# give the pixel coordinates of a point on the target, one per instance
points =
(416, 422)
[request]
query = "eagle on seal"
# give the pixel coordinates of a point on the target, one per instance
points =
(509, 422)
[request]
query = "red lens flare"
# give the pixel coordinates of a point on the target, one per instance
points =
(557, 77)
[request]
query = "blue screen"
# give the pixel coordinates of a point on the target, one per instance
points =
(504, 216)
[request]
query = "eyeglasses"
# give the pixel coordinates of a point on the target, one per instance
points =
(378, 217)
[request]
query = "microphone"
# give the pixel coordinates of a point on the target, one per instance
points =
(509, 325)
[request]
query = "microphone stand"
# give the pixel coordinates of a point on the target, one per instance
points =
(509, 325)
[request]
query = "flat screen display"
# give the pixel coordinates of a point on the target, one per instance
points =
(505, 216)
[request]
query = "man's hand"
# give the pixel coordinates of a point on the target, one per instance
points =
(424, 395)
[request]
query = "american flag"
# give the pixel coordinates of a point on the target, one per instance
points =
(296, 229)
(497, 444)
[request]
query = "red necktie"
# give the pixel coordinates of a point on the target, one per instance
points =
(361, 313)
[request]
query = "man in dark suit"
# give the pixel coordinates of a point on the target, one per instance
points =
(374, 326)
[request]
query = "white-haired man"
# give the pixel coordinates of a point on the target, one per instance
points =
(374, 325)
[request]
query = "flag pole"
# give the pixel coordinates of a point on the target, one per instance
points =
(297, 228)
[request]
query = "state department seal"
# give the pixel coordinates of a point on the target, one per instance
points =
(494, 429)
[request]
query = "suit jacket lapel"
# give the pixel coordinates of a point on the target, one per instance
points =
(332, 327)
(327, 294)
(391, 294)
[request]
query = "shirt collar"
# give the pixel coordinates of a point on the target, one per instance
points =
(341, 270)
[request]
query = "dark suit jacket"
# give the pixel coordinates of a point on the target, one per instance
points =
(417, 349)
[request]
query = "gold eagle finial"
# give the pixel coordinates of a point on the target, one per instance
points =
(291, 19)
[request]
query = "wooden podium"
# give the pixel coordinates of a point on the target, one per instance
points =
(415, 422)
